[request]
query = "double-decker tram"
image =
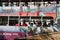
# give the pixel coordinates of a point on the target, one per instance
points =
(22, 20)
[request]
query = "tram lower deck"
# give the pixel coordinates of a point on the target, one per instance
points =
(25, 26)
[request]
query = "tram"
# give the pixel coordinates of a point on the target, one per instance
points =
(26, 20)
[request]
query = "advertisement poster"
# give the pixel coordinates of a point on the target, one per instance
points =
(48, 11)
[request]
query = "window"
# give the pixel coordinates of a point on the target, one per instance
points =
(3, 20)
(24, 9)
(13, 20)
(24, 18)
(6, 4)
(0, 3)
(17, 4)
(16, 9)
(7, 9)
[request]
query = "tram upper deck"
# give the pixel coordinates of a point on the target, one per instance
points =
(30, 10)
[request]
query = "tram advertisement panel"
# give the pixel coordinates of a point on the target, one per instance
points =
(33, 11)
(29, 11)
(24, 10)
(9, 11)
(11, 32)
(48, 10)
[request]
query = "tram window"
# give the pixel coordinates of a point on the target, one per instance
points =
(48, 23)
(13, 22)
(24, 18)
(39, 23)
(11, 4)
(17, 4)
(33, 9)
(52, 22)
(47, 17)
(3, 21)
(24, 9)
(6, 4)
(13, 18)
(44, 24)
(35, 17)
(0, 4)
